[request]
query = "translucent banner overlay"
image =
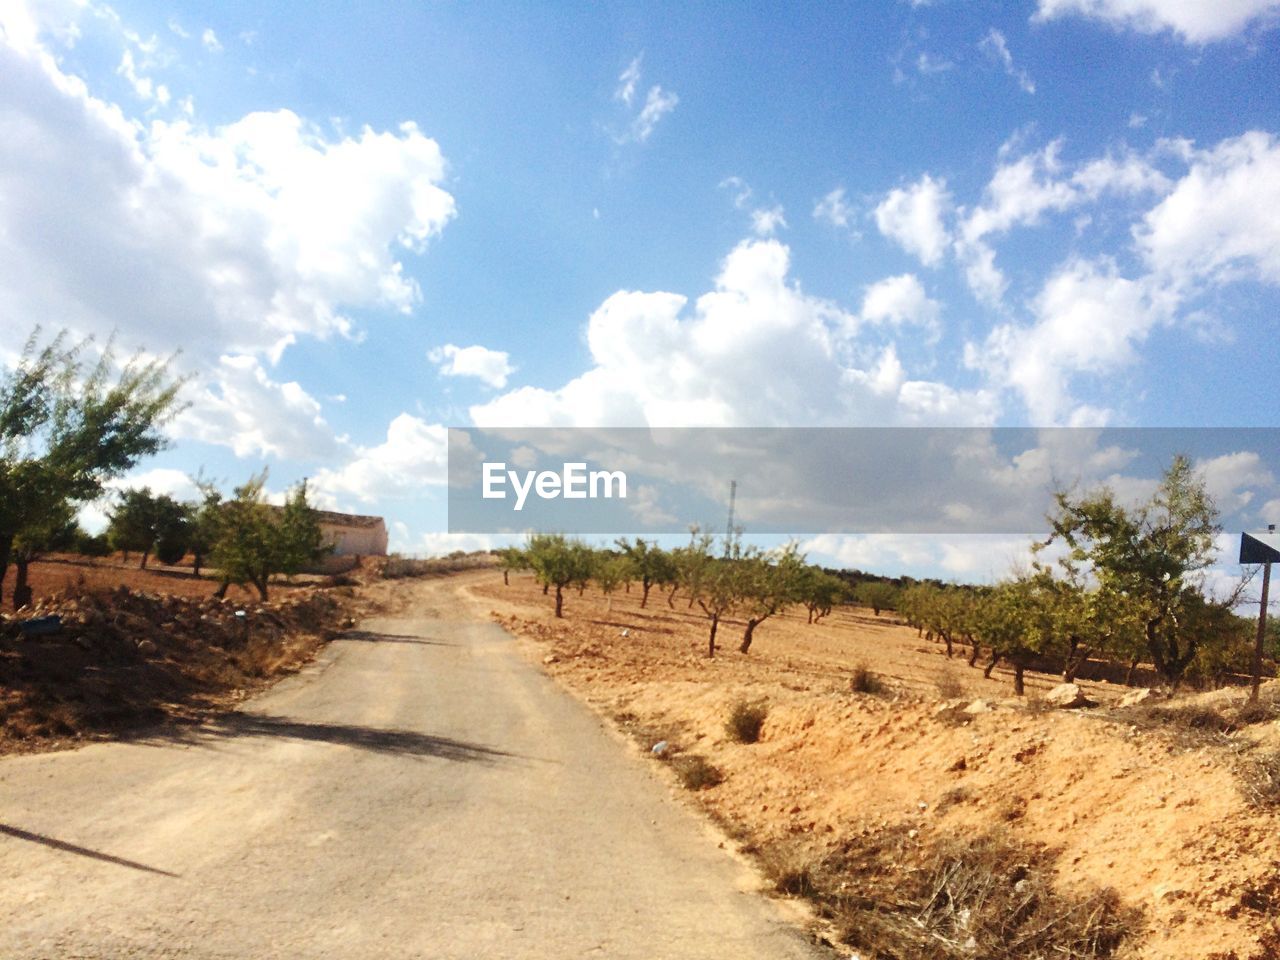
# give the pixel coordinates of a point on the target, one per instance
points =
(803, 481)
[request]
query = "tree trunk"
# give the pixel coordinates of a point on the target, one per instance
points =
(711, 643)
(21, 589)
(973, 654)
(581, 588)
(1078, 657)
(222, 589)
(946, 638)
(748, 634)
(644, 597)
(995, 658)
(196, 561)
(143, 564)
(1133, 667)
(545, 588)
(261, 584)
(6, 550)
(671, 597)
(1018, 687)
(559, 601)
(506, 578)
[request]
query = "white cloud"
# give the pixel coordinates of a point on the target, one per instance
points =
(834, 209)
(995, 47)
(1196, 21)
(913, 217)
(143, 86)
(981, 557)
(1218, 223)
(627, 80)
(1233, 478)
(210, 40)
(490, 366)
(223, 240)
(1088, 320)
(754, 351)
(243, 408)
(657, 104)
(414, 454)
(767, 222)
(898, 301)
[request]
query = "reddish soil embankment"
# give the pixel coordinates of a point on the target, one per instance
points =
(1160, 820)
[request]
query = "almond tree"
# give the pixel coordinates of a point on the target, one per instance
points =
(768, 584)
(1149, 556)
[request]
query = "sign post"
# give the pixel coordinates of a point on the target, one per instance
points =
(1266, 551)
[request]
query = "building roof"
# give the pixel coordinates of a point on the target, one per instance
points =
(346, 519)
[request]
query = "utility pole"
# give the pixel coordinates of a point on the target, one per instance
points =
(1266, 551)
(728, 534)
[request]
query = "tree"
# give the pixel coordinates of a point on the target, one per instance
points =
(650, 563)
(767, 585)
(67, 427)
(1149, 556)
(142, 520)
(558, 562)
(718, 593)
(203, 520)
(819, 591)
(610, 570)
(512, 558)
(877, 595)
(255, 540)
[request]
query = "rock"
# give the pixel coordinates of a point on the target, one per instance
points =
(1135, 697)
(550, 658)
(146, 647)
(1067, 696)
(660, 749)
(977, 706)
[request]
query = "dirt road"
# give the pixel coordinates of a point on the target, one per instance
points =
(421, 791)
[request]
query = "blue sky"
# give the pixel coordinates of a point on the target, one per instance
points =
(364, 224)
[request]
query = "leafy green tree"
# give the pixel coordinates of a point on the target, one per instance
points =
(819, 591)
(142, 520)
(512, 559)
(558, 562)
(877, 595)
(767, 585)
(203, 523)
(610, 570)
(650, 562)
(255, 540)
(66, 427)
(1150, 556)
(718, 593)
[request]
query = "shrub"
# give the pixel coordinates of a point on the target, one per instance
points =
(746, 719)
(695, 772)
(863, 680)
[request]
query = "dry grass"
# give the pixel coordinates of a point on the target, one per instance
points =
(696, 772)
(746, 720)
(1259, 775)
(865, 680)
(894, 897)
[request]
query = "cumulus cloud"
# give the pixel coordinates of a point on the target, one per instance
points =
(414, 454)
(241, 407)
(766, 221)
(913, 217)
(1218, 221)
(229, 238)
(1087, 320)
(754, 351)
(490, 366)
(899, 301)
(1196, 21)
(230, 242)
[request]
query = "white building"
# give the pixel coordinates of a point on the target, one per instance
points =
(353, 535)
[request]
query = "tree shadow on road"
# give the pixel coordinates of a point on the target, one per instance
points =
(40, 838)
(376, 739)
(372, 636)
